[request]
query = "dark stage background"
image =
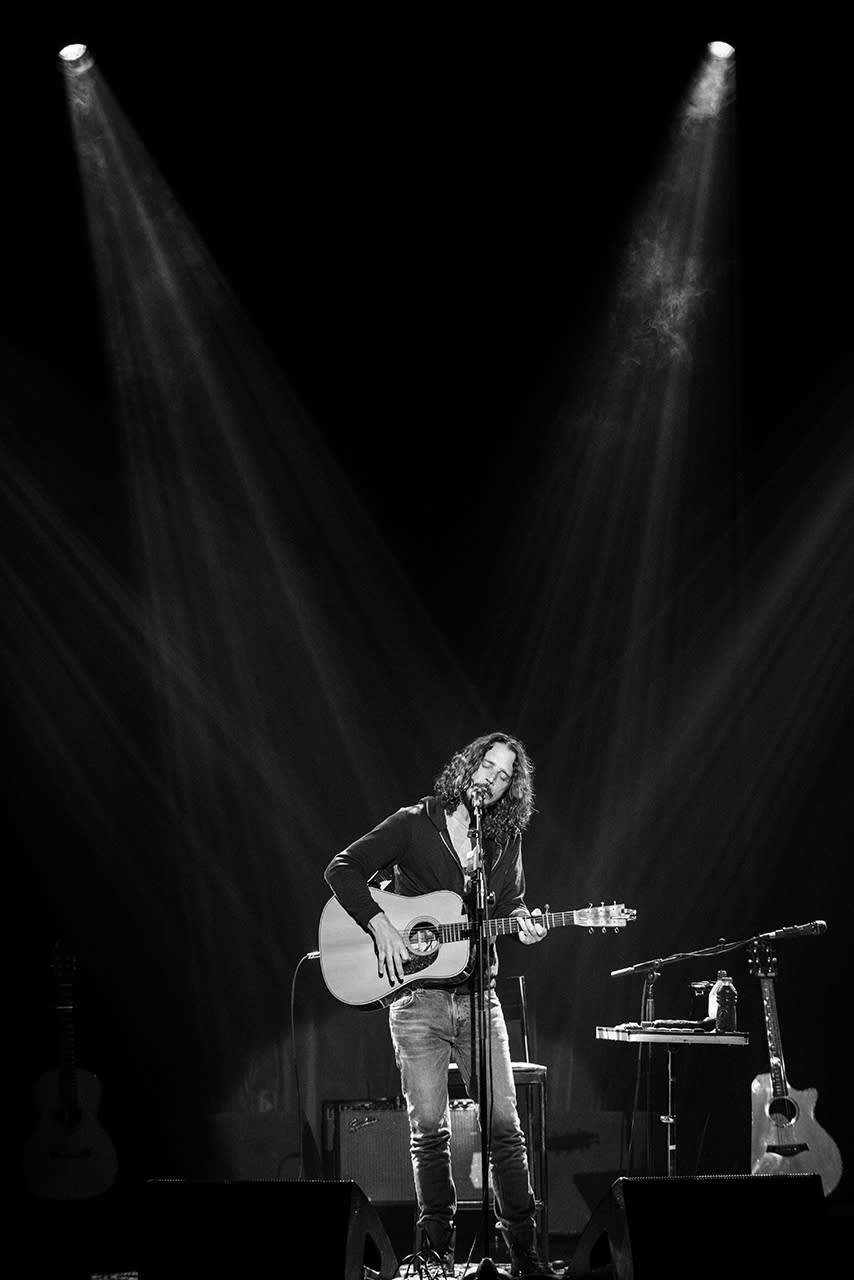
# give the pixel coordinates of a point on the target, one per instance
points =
(420, 212)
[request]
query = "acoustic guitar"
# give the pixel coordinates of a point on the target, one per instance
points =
(69, 1156)
(785, 1136)
(437, 931)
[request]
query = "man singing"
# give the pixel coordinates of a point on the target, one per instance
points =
(429, 846)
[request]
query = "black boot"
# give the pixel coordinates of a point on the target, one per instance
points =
(525, 1259)
(434, 1259)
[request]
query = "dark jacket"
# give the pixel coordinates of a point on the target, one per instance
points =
(413, 847)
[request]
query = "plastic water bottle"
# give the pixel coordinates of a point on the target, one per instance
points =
(723, 999)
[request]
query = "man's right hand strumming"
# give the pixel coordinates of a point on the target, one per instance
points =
(391, 949)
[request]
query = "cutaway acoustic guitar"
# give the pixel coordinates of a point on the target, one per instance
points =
(785, 1136)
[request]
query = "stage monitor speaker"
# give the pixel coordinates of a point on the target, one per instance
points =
(696, 1228)
(268, 1230)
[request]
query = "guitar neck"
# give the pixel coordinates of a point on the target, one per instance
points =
(502, 926)
(67, 1073)
(777, 1065)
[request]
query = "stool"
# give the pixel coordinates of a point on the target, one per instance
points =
(531, 1080)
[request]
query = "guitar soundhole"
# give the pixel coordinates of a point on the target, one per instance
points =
(422, 938)
(782, 1111)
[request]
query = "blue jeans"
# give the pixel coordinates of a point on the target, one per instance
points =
(429, 1026)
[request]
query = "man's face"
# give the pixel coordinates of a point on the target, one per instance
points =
(496, 769)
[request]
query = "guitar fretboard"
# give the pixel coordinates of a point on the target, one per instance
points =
(503, 925)
(67, 1074)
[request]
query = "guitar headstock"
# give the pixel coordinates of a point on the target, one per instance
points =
(613, 916)
(762, 958)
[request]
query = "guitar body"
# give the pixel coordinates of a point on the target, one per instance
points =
(786, 1138)
(69, 1156)
(347, 955)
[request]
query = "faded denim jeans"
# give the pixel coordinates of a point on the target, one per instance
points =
(429, 1027)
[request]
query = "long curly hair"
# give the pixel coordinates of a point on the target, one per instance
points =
(513, 811)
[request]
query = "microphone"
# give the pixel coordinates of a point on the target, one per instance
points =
(797, 930)
(645, 967)
(479, 790)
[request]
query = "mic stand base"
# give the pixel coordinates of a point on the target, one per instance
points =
(486, 1269)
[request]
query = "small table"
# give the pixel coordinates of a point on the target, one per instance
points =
(651, 1033)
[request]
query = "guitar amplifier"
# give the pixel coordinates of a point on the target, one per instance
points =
(367, 1142)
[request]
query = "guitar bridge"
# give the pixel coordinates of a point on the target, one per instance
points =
(787, 1149)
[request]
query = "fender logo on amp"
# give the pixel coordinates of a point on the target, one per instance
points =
(360, 1122)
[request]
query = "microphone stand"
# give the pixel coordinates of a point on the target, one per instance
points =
(648, 1015)
(486, 1268)
(652, 967)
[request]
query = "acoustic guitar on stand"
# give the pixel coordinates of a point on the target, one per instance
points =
(70, 1156)
(785, 1136)
(437, 931)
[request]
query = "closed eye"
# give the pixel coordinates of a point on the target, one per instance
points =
(498, 774)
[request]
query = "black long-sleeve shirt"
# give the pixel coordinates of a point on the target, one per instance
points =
(413, 845)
